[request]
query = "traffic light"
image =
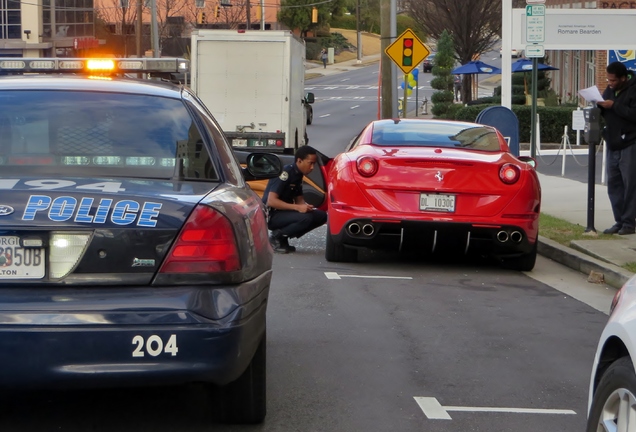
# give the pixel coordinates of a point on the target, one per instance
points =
(314, 15)
(217, 11)
(407, 52)
(201, 19)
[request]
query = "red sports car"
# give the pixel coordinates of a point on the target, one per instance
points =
(430, 186)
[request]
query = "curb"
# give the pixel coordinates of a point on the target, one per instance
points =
(613, 275)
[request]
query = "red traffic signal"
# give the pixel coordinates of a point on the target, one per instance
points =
(407, 52)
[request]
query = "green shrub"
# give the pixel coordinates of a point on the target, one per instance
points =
(312, 50)
(343, 22)
(442, 97)
(552, 121)
(452, 111)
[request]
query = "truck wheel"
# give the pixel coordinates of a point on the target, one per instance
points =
(310, 116)
(336, 252)
(244, 400)
(614, 397)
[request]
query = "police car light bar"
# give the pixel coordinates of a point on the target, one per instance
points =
(94, 65)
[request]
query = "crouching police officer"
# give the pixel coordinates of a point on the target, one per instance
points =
(289, 215)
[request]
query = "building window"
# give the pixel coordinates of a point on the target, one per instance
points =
(590, 62)
(10, 25)
(73, 18)
(577, 71)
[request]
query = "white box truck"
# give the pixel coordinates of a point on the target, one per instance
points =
(253, 82)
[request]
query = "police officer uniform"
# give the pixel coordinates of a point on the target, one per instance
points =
(290, 223)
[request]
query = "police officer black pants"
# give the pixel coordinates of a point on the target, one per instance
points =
(294, 224)
(621, 185)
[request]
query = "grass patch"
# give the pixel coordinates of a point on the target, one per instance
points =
(563, 232)
(631, 266)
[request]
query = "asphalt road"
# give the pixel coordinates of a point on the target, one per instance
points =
(390, 343)
(351, 347)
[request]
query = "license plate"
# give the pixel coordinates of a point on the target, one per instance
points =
(236, 142)
(437, 202)
(17, 262)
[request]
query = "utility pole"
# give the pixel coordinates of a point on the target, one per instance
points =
(247, 14)
(385, 61)
(359, 37)
(140, 24)
(155, 29)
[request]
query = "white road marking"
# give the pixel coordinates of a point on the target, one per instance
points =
(334, 275)
(346, 79)
(324, 115)
(355, 106)
(435, 411)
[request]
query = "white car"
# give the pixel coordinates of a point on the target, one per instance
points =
(515, 53)
(612, 395)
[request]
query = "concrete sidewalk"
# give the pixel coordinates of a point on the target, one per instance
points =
(562, 198)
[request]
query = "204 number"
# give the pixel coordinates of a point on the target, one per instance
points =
(154, 346)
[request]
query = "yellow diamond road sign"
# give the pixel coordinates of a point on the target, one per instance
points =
(407, 51)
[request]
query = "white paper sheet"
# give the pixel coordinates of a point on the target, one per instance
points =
(591, 94)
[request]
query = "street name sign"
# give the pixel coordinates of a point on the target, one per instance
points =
(535, 23)
(534, 51)
(407, 51)
(579, 29)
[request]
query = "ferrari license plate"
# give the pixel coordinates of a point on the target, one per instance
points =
(437, 202)
(17, 262)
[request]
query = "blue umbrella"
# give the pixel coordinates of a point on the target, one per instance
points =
(525, 65)
(475, 67)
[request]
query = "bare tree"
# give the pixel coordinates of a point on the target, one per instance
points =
(474, 24)
(123, 18)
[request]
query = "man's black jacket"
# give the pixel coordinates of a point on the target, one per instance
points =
(620, 120)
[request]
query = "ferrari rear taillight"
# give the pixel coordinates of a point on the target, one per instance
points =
(206, 244)
(367, 166)
(509, 173)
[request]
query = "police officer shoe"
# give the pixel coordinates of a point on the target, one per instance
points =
(284, 242)
(612, 230)
(275, 240)
(626, 231)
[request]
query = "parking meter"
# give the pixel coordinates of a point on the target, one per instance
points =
(592, 136)
(592, 129)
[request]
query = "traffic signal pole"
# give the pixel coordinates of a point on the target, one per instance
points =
(385, 62)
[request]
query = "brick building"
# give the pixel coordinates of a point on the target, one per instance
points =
(580, 69)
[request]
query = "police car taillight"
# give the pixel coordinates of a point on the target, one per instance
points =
(206, 244)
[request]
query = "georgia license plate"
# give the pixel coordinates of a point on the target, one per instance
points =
(17, 262)
(437, 202)
(237, 142)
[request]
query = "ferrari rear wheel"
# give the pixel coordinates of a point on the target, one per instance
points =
(614, 400)
(244, 400)
(524, 262)
(336, 252)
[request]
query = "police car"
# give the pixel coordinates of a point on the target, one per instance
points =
(132, 252)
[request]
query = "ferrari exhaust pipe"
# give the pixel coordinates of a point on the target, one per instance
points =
(368, 229)
(502, 236)
(516, 237)
(354, 228)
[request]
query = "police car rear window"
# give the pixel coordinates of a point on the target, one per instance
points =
(93, 134)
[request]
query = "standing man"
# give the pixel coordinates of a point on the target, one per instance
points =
(619, 111)
(458, 87)
(323, 57)
(289, 215)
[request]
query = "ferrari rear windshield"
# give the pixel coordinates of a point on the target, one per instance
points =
(430, 134)
(99, 134)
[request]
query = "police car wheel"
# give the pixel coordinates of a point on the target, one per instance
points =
(244, 400)
(614, 397)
